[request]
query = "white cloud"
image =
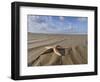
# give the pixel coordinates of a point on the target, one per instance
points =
(45, 27)
(61, 18)
(81, 19)
(37, 27)
(45, 24)
(70, 27)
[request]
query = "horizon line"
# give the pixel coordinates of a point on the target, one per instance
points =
(60, 33)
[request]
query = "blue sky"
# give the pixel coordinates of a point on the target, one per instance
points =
(57, 24)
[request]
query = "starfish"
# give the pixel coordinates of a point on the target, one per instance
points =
(58, 50)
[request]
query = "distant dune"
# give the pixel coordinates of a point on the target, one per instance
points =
(74, 46)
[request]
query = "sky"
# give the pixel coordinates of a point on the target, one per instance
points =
(57, 24)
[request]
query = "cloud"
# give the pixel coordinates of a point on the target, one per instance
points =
(61, 18)
(40, 24)
(51, 24)
(82, 19)
(70, 27)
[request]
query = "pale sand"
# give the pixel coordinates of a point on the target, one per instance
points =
(76, 55)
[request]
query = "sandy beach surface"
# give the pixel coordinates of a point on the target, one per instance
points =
(74, 46)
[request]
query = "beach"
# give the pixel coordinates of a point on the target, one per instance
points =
(74, 45)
